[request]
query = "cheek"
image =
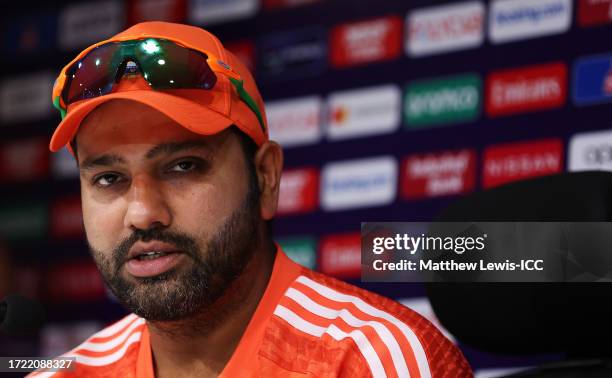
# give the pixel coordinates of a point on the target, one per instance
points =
(201, 209)
(103, 223)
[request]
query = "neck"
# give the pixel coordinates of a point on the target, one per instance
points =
(203, 344)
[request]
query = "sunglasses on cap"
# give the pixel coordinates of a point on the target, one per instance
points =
(163, 63)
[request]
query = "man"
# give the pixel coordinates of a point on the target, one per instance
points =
(179, 182)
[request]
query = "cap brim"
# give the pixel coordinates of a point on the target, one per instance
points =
(191, 115)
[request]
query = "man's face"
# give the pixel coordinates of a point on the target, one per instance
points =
(171, 217)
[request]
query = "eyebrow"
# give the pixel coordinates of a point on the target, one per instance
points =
(160, 149)
(173, 147)
(100, 161)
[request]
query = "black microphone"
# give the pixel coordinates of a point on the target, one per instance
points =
(20, 316)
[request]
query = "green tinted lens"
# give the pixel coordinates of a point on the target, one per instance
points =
(164, 64)
(167, 65)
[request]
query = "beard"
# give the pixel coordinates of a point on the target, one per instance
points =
(181, 293)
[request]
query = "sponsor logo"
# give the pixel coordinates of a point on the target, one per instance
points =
(274, 4)
(295, 122)
(210, 12)
(368, 41)
(445, 28)
(363, 112)
(293, 54)
(517, 161)
(340, 255)
(156, 10)
(591, 151)
(359, 183)
(244, 51)
(86, 23)
(75, 281)
(299, 191)
(26, 98)
(24, 160)
(442, 101)
(64, 165)
(594, 12)
(526, 89)
(35, 33)
(438, 174)
(512, 20)
(593, 80)
(26, 221)
(302, 250)
(67, 218)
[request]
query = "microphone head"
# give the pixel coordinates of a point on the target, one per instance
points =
(22, 316)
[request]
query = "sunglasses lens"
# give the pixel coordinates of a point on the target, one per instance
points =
(164, 64)
(169, 66)
(93, 75)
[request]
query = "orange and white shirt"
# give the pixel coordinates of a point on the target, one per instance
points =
(306, 325)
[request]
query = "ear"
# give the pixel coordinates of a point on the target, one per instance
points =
(269, 165)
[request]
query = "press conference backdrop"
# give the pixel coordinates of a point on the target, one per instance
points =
(388, 110)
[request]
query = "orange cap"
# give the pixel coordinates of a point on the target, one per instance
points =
(204, 112)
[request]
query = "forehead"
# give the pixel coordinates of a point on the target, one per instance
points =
(118, 123)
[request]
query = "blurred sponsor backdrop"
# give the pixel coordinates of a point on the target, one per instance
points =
(388, 110)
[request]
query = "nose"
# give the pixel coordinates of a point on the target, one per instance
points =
(147, 206)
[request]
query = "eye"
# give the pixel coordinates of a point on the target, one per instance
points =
(106, 180)
(184, 166)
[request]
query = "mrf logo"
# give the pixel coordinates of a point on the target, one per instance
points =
(367, 41)
(299, 191)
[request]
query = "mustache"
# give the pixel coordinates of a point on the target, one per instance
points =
(181, 241)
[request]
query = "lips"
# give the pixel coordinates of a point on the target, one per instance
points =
(149, 250)
(152, 259)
